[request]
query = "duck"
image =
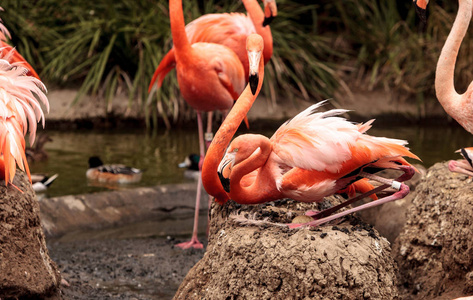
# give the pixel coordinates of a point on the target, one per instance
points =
(41, 182)
(115, 173)
(37, 153)
(191, 162)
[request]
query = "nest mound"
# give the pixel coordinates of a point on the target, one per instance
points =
(348, 260)
(435, 249)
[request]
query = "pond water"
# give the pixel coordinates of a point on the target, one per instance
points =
(159, 153)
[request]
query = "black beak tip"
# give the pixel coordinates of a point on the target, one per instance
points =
(267, 20)
(422, 13)
(225, 182)
(253, 80)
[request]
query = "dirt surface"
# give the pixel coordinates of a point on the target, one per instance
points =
(347, 260)
(435, 249)
(150, 268)
(25, 267)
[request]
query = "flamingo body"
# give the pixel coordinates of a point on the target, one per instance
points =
(213, 78)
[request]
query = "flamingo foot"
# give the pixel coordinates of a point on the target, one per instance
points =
(193, 243)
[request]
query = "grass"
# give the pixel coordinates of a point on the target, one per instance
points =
(113, 47)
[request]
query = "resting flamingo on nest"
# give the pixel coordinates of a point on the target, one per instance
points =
(311, 156)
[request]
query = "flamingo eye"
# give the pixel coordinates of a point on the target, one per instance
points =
(235, 150)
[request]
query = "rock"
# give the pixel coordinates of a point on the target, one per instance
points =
(434, 251)
(25, 267)
(348, 260)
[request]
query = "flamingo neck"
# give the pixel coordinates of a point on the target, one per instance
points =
(256, 15)
(444, 75)
(263, 188)
(178, 30)
(223, 137)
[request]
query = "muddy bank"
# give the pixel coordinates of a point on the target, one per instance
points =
(114, 268)
(382, 105)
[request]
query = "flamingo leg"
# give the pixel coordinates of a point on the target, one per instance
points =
(194, 242)
(460, 166)
(325, 215)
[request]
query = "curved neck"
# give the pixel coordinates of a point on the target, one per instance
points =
(262, 189)
(444, 84)
(223, 137)
(256, 15)
(178, 29)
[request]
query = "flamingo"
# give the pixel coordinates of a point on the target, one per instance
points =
(10, 53)
(313, 155)
(459, 107)
(210, 77)
(229, 29)
(20, 110)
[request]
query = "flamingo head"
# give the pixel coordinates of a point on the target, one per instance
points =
(270, 11)
(254, 46)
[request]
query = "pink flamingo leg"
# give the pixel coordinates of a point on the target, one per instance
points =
(194, 242)
(324, 216)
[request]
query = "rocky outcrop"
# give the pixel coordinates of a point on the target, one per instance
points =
(435, 249)
(25, 267)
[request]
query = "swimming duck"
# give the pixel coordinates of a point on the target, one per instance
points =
(42, 182)
(37, 153)
(111, 173)
(191, 162)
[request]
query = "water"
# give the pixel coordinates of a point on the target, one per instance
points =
(159, 154)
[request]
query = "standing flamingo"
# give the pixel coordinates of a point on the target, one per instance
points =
(9, 53)
(313, 155)
(229, 29)
(209, 77)
(459, 107)
(20, 110)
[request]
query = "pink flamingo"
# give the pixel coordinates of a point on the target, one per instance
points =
(209, 77)
(20, 110)
(313, 155)
(459, 107)
(229, 29)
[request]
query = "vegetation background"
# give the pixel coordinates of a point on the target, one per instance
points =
(107, 47)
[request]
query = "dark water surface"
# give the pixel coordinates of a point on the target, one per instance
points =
(158, 154)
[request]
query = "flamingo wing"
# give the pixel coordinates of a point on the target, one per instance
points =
(20, 109)
(323, 141)
(13, 56)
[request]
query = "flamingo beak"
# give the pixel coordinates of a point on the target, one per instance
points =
(224, 171)
(254, 58)
(270, 12)
(421, 9)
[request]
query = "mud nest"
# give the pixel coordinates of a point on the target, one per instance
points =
(435, 249)
(343, 260)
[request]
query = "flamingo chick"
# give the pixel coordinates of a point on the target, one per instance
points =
(311, 156)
